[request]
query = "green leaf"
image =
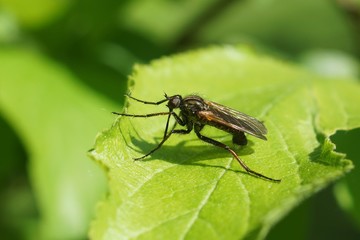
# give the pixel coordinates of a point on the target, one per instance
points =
(56, 117)
(189, 189)
(36, 13)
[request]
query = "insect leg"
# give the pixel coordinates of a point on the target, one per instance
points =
(146, 102)
(239, 138)
(167, 125)
(178, 120)
(142, 115)
(166, 137)
(224, 146)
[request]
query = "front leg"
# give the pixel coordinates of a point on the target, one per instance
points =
(146, 102)
(177, 119)
(142, 115)
(180, 120)
(166, 137)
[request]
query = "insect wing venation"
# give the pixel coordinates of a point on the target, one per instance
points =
(234, 119)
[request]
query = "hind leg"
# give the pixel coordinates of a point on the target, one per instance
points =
(239, 139)
(227, 148)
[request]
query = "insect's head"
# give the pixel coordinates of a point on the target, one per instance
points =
(174, 101)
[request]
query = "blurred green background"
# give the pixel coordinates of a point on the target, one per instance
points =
(63, 69)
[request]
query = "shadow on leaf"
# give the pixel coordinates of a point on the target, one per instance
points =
(190, 155)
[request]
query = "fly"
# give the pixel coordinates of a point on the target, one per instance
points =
(196, 112)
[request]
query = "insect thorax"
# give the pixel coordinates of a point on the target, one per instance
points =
(193, 104)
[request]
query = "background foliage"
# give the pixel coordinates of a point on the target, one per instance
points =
(63, 69)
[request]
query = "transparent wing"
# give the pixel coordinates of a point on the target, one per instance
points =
(231, 118)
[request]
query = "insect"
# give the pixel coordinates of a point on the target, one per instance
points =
(196, 112)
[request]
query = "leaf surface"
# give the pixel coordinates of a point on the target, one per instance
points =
(191, 190)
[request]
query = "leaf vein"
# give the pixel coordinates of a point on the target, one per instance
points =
(206, 198)
(286, 148)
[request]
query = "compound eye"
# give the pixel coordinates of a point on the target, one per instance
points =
(174, 102)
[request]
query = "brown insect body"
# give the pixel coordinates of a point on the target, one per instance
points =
(197, 110)
(195, 113)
